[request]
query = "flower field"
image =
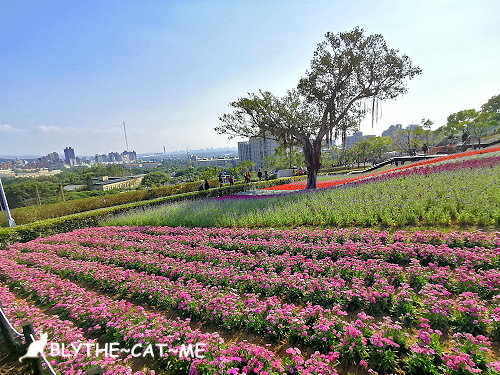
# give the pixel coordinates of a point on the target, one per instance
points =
(442, 159)
(459, 191)
(265, 301)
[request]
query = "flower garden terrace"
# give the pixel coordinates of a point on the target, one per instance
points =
(320, 301)
(489, 152)
(457, 191)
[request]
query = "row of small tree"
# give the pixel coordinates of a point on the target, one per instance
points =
(458, 128)
(417, 138)
(470, 122)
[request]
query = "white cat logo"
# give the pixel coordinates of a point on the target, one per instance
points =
(36, 347)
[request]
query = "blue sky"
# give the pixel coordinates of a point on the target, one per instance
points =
(72, 71)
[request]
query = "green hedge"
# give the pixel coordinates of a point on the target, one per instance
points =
(29, 214)
(47, 227)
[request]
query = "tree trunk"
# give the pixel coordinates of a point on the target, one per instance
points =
(312, 155)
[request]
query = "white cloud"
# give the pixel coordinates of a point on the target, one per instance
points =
(55, 129)
(111, 130)
(79, 131)
(5, 128)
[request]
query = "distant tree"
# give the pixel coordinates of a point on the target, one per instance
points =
(370, 149)
(209, 172)
(492, 106)
(408, 139)
(490, 113)
(32, 193)
(347, 69)
(360, 151)
(482, 125)
(462, 118)
(429, 137)
(284, 158)
(378, 146)
(155, 179)
(472, 122)
(328, 157)
(239, 169)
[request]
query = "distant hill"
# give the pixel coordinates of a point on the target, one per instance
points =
(23, 157)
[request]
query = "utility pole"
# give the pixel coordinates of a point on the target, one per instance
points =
(62, 192)
(125, 131)
(38, 195)
(10, 221)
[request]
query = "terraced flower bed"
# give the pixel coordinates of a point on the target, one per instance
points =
(267, 301)
(451, 192)
(413, 168)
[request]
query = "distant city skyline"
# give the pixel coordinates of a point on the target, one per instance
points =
(72, 72)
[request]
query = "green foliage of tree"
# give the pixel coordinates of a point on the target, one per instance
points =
(408, 139)
(492, 105)
(379, 146)
(210, 172)
(32, 192)
(429, 137)
(28, 191)
(240, 168)
(370, 149)
(347, 69)
(482, 125)
(155, 179)
(471, 122)
(284, 158)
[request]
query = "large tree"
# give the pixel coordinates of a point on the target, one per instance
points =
(492, 105)
(347, 70)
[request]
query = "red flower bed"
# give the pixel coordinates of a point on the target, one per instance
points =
(325, 184)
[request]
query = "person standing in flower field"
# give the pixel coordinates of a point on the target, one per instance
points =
(259, 175)
(206, 185)
(231, 180)
(247, 177)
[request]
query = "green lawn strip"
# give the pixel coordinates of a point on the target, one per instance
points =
(460, 198)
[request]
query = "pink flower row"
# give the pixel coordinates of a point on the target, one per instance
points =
(60, 331)
(131, 323)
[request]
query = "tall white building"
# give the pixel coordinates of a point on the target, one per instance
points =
(256, 149)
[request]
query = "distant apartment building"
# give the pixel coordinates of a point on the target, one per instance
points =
(69, 156)
(391, 130)
(128, 156)
(354, 138)
(394, 130)
(115, 157)
(108, 183)
(48, 161)
(102, 158)
(256, 149)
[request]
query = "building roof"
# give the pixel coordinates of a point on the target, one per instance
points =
(113, 180)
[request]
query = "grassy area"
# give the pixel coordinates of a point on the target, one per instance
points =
(30, 214)
(464, 197)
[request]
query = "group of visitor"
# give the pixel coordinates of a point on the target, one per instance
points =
(224, 179)
(260, 175)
